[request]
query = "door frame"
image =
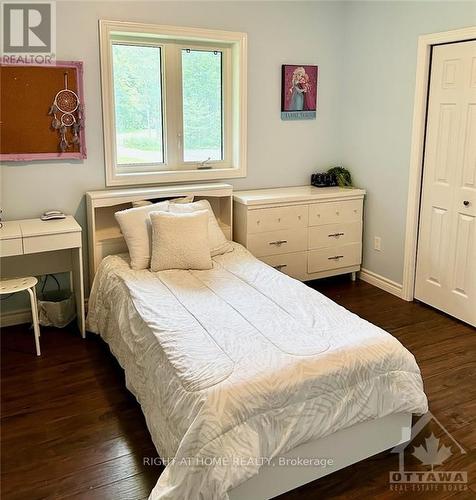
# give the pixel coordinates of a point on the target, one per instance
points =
(425, 44)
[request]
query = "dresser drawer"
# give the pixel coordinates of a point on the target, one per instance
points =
(274, 219)
(331, 235)
(277, 242)
(292, 264)
(11, 246)
(334, 257)
(335, 212)
(46, 243)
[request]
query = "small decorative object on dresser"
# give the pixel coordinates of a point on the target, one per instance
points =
(335, 176)
(323, 179)
(342, 176)
(305, 232)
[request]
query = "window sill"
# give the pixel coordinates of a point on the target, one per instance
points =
(157, 177)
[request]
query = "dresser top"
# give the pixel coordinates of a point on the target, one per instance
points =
(295, 194)
(37, 227)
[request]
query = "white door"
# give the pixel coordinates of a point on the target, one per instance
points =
(446, 259)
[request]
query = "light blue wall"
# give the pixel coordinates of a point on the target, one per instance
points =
(376, 110)
(366, 56)
(279, 153)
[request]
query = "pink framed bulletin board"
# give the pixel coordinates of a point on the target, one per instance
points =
(27, 92)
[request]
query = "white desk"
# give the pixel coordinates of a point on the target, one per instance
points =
(32, 247)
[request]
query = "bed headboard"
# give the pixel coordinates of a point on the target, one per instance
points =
(104, 235)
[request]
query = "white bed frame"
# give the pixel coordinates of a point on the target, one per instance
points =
(104, 235)
(344, 447)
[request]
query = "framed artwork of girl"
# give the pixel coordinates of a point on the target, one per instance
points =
(299, 92)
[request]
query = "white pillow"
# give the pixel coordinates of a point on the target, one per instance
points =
(135, 226)
(141, 203)
(180, 241)
(218, 243)
(183, 199)
(144, 203)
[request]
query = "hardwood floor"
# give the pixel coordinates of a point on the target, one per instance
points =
(69, 427)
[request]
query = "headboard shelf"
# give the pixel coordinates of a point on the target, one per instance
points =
(106, 197)
(104, 235)
(108, 234)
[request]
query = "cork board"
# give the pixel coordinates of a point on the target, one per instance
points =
(26, 94)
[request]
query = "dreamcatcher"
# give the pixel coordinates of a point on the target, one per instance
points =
(66, 112)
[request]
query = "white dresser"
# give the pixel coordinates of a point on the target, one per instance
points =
(305, 232)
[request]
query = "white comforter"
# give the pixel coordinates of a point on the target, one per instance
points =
(241, 361)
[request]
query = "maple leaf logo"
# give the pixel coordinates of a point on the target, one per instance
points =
(432, 454)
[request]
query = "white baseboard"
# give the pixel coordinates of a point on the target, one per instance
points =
(15, 317)
(381, 282)
(21, 316)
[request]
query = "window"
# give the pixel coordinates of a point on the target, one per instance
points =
(138, 104)
(202, 99)
(174, 103)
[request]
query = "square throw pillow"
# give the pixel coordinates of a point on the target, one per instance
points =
(144, 203)
(183, 199)
(218, 243)
(180, 241)
(135, 227)
(141, 203)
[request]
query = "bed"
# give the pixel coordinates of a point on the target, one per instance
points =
(251, 383)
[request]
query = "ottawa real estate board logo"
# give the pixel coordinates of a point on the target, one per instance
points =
(430, 446)
(28, 32)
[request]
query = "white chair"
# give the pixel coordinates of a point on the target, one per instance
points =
(18, 285)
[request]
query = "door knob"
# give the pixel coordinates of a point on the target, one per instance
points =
(466, 203)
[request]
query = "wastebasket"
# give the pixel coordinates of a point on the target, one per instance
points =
(56, 308)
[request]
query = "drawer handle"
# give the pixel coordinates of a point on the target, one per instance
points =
(335, 235)
(278, 242)
(280, 266)
(336, 257)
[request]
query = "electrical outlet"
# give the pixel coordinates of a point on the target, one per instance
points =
(377, 243)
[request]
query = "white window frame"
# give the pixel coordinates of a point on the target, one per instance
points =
(233, 46)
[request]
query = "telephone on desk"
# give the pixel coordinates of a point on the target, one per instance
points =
(52, 215)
